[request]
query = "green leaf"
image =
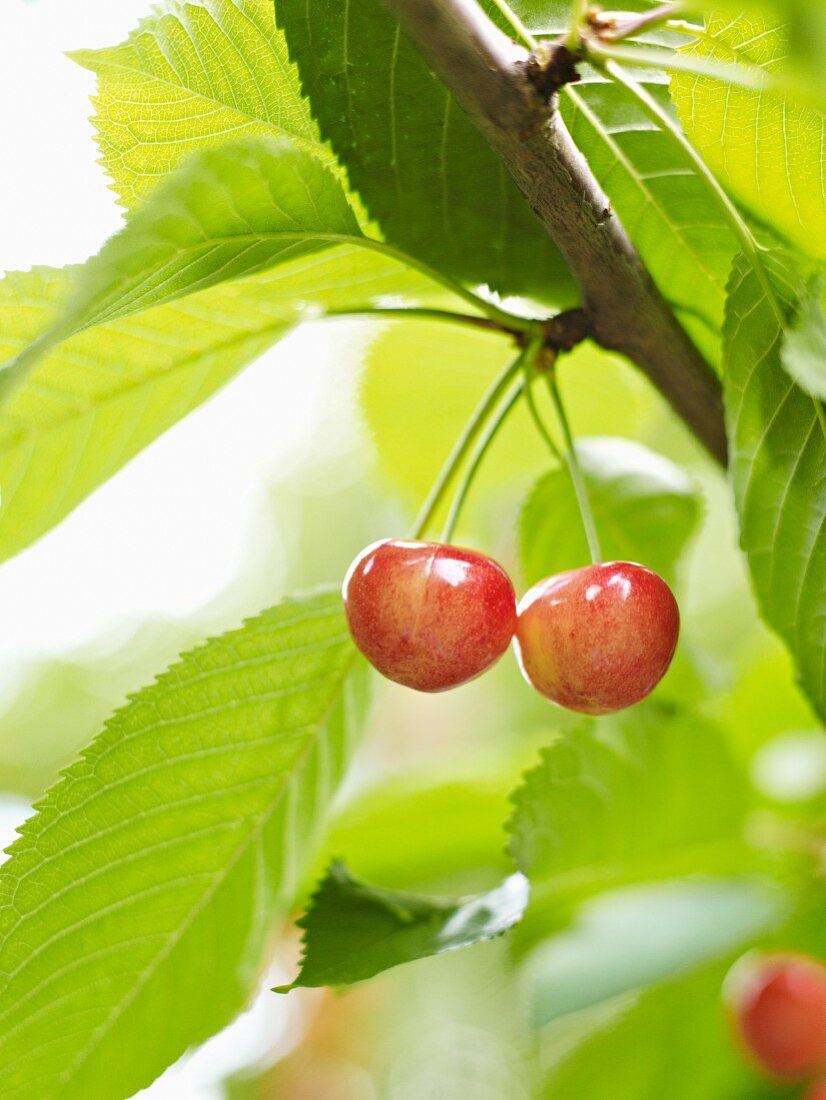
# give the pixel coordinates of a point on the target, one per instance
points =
(633, 938)
(778, 455)
(645, 508)
(98, 398)
(353, 931)
(767, 151)
(425, 174)
(437, 827)
(190, 77)
(664, 206)
(651, 794)
(630, 1050)
(803, 354)
(138, 902)
(227, 213)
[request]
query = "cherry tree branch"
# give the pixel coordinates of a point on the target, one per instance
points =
(510, 96)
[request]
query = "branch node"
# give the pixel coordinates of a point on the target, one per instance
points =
(567, 329)
(550, 67)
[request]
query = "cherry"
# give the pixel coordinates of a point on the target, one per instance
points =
(817, 1091)
(427, 615)
(597, 639)
(779, 1006)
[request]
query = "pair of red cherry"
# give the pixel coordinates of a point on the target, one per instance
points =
(433, 616)
(779, 1007)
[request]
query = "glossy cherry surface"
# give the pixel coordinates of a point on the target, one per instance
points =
(779, 1005)
(428, 615)
(597, 639)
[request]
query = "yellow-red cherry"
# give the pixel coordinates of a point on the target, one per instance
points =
(429, 615)
(598, 639)
(779, 1008)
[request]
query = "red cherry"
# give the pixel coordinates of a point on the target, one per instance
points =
(779, 1005)
(597, 639)
(427, 615)
(817, 1091)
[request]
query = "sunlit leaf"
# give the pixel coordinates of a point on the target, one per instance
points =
(194, 75)
(137, 904)
(768, 151)
(100, 397)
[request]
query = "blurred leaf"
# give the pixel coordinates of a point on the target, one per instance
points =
(804, 346)
(353, 931)
(424, 172)
(433, 828)
(645, 508)
(193, 76)
(666, 209)
(138, 901)
(778, 457)
(767, 151)
(632, 1052)
(632, 938)
(647, 795)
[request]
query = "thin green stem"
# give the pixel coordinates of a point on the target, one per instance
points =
(575, 470)
(539, 423)
(579, 15)
(463, 445)
(523, 362)
(738, 225)
(517, 24)
(634, 24)
(415, 313)
(482, 448)
(508, 321)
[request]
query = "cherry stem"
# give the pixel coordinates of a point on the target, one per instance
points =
(463, 445)
(524, 362)
(532, 374)
(476, 461)
(575, 471)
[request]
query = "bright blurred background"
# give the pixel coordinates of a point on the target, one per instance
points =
(272, 486)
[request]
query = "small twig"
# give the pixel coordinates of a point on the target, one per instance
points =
(613, 27)
(417, 313)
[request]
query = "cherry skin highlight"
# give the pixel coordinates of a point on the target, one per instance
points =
(779, 1009)
(597, 639)
(428, 615)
